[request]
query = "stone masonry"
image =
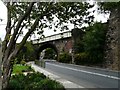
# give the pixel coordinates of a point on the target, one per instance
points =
(112, 48)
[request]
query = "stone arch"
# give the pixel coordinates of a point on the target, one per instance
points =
(48, 45)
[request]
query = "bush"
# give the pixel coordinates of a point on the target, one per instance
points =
(45, 84)
(19, 68)
(81, 58)
(15, 85)
(86, 59)
(36, 76)
(65, 58)
(33, 81)
(17, 82)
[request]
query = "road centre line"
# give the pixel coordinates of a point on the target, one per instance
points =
(93, 73)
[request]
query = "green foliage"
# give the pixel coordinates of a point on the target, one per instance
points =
(50, 54)
(94, 41)
(89, 45)
(27, 53)
(17, 82)
(33, 81)
(35, 77)
(45, 84)
(46, 11)
(109, 6)
(18, 68)
(81, 58)
(65, 58)
(15, 85)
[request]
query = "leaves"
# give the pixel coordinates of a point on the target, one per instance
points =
(27, 52)
(94, 41)
(63, 11)
(108, 6)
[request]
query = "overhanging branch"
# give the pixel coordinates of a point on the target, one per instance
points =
(18, 48)
(18, 26)
(10, 46)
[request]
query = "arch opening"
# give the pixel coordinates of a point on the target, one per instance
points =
(48, 51)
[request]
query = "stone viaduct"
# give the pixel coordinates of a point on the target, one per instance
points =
(58, 42)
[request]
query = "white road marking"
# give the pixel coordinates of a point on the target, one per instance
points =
(93, 73)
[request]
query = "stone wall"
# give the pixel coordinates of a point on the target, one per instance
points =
(64, 45)
(68, 46)
(0, 55)
(112, 54)
(77, 36)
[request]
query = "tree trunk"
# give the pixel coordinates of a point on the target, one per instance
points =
(9, 52)
(6, 73)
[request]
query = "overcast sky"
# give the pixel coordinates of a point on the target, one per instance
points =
(3, 15)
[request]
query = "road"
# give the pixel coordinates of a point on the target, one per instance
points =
(85, 76)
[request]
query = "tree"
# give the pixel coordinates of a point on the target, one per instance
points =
(94, 41)
(27, 53)
(34, 17)
(50, 53)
